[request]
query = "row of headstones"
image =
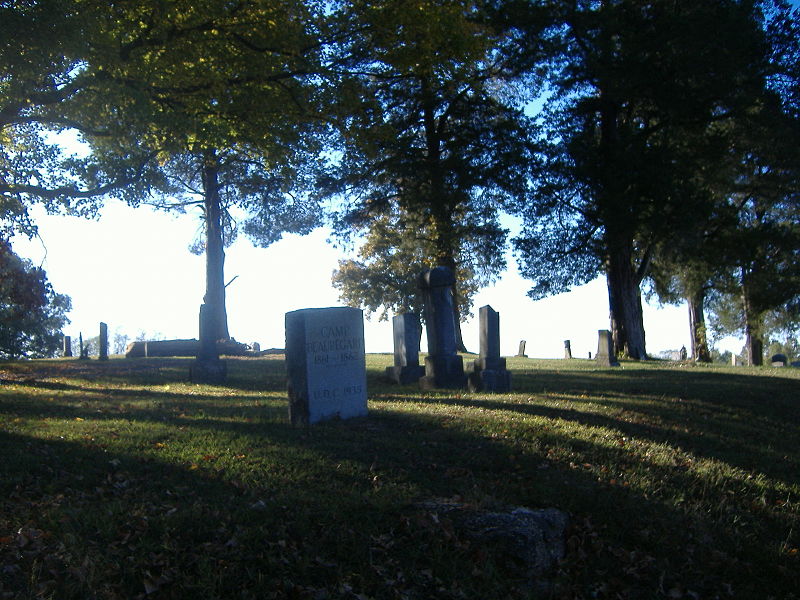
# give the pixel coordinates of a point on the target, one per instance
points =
(84, 350)
(605, 349)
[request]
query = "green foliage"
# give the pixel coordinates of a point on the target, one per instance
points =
(31, 312)
(432, 141)
(396, 250)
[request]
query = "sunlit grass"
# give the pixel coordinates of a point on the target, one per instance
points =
(121, 479)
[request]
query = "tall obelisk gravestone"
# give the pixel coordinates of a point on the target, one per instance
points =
(444, 368)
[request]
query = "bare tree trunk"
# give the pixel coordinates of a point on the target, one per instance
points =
(214, 297)
(697, 325)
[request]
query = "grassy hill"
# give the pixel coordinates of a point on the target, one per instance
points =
(122, 480)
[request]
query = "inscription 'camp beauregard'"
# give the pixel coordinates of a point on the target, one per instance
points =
(334, 345)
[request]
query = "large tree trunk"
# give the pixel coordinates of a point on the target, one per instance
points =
(214, 298)
(625, 303)
(754, 346)
(697, 325)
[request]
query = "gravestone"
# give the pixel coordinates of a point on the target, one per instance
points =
(567, 350)
(683, 355)
(84, 350)
(605, 349)
(779, 360)
(67, 353)
(103, 342)
(406, 332)
(489, 371)
(207, 367)
(444, 368)
(325, 364)
(256, 347)
(521, 352)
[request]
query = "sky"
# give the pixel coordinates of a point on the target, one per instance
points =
(132, 269)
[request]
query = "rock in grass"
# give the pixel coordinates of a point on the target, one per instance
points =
(531, 542)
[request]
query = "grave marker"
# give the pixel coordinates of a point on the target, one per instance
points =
(325, 364)
(779, 360)
(605, 349)
(67, 353)
(406, 332)
(444, 368)
(489, 370)
(521, 352)
(207, 367)
(102, 350)
(567, 350)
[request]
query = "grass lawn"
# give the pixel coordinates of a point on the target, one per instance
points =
(122, 480)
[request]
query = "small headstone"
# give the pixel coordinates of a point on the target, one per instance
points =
(207, 367)
(590, 355)
(521, 353)
(256, 347)
(605, 349)
(489, 371)
(444, 368)
(683, 353)
(779, 360)
(103, 342)
(84, 350)
(567, 350)
(325, 364)
(734, 360)
(67, 353)
(406, 332)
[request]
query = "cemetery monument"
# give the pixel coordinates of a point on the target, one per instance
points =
(325, 364)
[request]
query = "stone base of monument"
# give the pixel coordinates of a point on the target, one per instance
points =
(443, 372)
(407, 374)
(211, 371)
(489, 376)
(489, 380)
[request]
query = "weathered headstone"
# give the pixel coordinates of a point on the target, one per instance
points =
(207, 367)
(102, 350)
(489, 371)
(605, 349)
(84, 350)
(521, 352)
(325, 364)
(406, 332)
(683, 353)
(67, 353)
(779, 360)
(444, 368)
(567, 350)
(256, 347)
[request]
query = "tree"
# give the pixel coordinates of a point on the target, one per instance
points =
(395, 250)
(31, 312)
(45, 93)
(222, 97)
(636, 120)
(437, 142)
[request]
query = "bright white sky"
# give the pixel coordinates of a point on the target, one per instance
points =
(132, 269)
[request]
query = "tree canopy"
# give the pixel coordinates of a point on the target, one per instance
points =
(436, 145)
(639, 131)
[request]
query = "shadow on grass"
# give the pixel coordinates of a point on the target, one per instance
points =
(239, 504)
